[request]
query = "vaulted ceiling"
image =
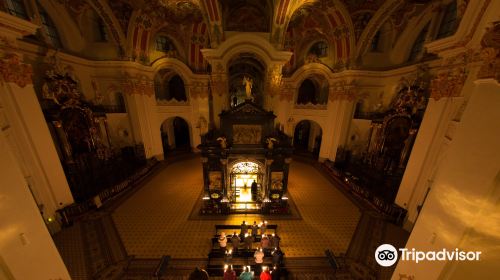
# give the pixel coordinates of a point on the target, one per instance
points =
(347, 25)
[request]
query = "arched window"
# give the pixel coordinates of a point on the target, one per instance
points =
(307, 92)
(449, 21)
(375, 42)
(49, 28)
(418, 45)
(320, 49)
(16, 8)
(169, 86)
(164, 44)
(176, 89)
(102, 35)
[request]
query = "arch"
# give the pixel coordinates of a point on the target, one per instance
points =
(379, 18)
(311, 69)
(175, 134)
(404, 43)
(175, 65)
(246, 43)
(307, 92)
(177, 52)
(307, 138)
(68, 30)
(169, 86)
(105, 12)
(318, 85)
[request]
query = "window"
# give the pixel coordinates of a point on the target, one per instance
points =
(50, 28)
(16, 8)
(320, 49)
(375, 42)
(307, 92)
(449, 21)
(163, 44)
(103, 32)
(418, 45)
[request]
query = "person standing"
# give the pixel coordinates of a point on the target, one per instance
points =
(248, 241)
(259, 256)
(244, 229)
(265, 275)
(275, 240)
(263, 227)
(235, 240)
(222, 241)
(254, 190)
(246, 274)
(278, 257)
(264, 243)
(229, 273)
(255, 229)
(276, 273)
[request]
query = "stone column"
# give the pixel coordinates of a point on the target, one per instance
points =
(219, 90)
(340, 109)
(141, 105)
(461, 209)
(430, 141)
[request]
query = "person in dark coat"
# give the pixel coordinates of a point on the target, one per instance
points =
(235, 240)
(244, 229)
(198, 274)
(255, 229)
(278, 257)
(248, 241)
(253, 189)
(275, 240)
(276, 273)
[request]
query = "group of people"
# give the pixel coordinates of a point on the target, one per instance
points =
(247, 236)
(266, 242)
(248, 274)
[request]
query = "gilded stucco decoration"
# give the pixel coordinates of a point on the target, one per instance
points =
(15, 71)
(137, 84)
(490, 54)
(451, 76)
(343, 90)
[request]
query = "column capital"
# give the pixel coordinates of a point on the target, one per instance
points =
(137, 84)
(343, 90)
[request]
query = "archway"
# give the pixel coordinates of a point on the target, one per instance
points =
(246, 65)
(175, 135)
(169, 86)
(246, 178)
(307, 138)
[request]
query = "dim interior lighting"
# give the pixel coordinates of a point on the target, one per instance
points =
(266, 199)
(206, 196)
(284, 197)
(50, 219)
(224, 199)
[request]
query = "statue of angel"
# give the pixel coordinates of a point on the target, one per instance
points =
(223, 142)
(247, 82)
(270, 142)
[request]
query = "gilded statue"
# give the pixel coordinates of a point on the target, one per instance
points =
(247, 82)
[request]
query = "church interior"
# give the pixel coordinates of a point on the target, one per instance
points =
(215, 139)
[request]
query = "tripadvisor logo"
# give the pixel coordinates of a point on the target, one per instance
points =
(387, 255)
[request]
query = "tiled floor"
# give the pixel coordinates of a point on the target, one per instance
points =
(154, 221)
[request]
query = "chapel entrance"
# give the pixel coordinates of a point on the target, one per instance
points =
(243, 193)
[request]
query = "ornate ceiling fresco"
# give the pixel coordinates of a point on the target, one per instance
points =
(347, 25)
